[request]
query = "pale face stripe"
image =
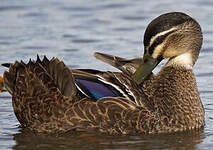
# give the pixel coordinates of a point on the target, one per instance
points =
(160, 34)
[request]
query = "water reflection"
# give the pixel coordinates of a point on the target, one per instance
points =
(26, 140)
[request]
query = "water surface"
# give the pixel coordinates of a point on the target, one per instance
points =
(73, 31)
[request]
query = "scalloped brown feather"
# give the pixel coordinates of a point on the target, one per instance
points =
(36, 97)
(43, 102)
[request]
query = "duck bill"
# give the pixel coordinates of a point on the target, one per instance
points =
(145, 68)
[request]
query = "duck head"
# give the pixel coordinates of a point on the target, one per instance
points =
(172, 35)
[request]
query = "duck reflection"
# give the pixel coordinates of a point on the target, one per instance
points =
(26, 140)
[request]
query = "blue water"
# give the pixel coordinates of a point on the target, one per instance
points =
(72, 31)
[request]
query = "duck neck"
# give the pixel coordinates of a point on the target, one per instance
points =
(176, 95)
(185, 60)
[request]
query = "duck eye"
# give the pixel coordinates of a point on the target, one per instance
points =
(151, 49)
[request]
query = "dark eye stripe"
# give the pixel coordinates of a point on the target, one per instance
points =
(158, 41)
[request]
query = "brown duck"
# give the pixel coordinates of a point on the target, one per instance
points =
(49, 97)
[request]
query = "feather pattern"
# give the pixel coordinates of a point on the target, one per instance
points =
(96, 84)
(48, 107)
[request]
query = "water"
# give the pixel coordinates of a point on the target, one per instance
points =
(72, 31)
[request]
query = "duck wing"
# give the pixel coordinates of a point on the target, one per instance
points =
(127, 66)
(97, 85)
(45, 99)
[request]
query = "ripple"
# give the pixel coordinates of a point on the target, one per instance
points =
(35, 47)
(206, 92)
(85, 40)
(34, 14)
(12, 8)
(205, 74)
(100, 21)
(209, 50)
(134, 18)
(71, 50)
(77, 8)
(208, 32)
(124, 29)
(205, 3)
(5, 42)
(69, 35)
(116, 5)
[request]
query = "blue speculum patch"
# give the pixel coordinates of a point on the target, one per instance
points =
(97, 89)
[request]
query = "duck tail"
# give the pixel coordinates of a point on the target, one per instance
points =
(41, 90)
(53, 69)
(6, 65)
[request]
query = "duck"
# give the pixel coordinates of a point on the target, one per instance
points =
(49, 97)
